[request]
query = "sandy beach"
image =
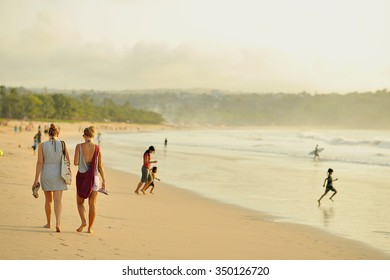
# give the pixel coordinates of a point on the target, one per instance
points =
(172, 224)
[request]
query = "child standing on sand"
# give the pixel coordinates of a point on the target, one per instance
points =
(151, 178)
(329, 185)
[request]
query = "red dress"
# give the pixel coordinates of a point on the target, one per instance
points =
(85, 181)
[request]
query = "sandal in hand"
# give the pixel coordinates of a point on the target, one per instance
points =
(35, 190)
(103, 191)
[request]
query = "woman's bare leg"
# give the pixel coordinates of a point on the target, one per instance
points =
(138, 187)
(48, 203)
(81, 209)
(92, 210)
(58, 209)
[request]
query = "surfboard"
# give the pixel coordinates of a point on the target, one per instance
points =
(319, 150)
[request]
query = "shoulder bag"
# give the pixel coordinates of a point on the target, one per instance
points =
(66, 172)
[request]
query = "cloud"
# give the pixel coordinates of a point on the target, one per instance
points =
(150, 65)
(60, 50)
(51, 53)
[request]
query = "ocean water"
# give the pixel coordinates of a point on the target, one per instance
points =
(271, 171)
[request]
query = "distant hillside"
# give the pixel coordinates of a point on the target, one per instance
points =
(354, 110)
(217, 108)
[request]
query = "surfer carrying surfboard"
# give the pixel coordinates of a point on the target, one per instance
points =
(317, 152)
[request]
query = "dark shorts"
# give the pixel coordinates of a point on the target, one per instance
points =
(145, 173)
(330, 188)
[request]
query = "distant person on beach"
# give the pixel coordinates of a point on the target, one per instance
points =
(48, 168)
(329, 185)
(151, 178)
(35, 144)
(145, 168)
(39, 135)
(165, 142)
(316, 152)
(88, 158)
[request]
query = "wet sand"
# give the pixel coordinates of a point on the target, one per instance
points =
(172, 224)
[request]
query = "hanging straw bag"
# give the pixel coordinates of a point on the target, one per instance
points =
(66, 173)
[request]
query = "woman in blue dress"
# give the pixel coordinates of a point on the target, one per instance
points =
(48, 171)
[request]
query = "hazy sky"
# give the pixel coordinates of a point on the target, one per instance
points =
(242, 45)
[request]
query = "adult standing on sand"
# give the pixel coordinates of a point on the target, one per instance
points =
(88, 158)
(145, 168)
(48, 169)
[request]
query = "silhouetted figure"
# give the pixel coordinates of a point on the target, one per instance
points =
(316, 152)
(329, 185)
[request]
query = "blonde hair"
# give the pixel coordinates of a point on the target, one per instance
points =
(90, 131)
(53, 130)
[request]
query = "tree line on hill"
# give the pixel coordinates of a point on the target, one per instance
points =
(19, 103)
(203, 107)
(353, 110)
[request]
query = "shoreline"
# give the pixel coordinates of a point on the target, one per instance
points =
(268, 219)
(171, 224)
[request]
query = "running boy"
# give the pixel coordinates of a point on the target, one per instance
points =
(329, 185)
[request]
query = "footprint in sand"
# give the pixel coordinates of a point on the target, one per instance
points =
(63, 244)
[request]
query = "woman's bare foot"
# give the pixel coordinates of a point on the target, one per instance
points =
(90, 230)
(80, 229)
(46, 226)
(58, 229)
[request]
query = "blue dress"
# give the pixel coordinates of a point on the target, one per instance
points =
(51, 179)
